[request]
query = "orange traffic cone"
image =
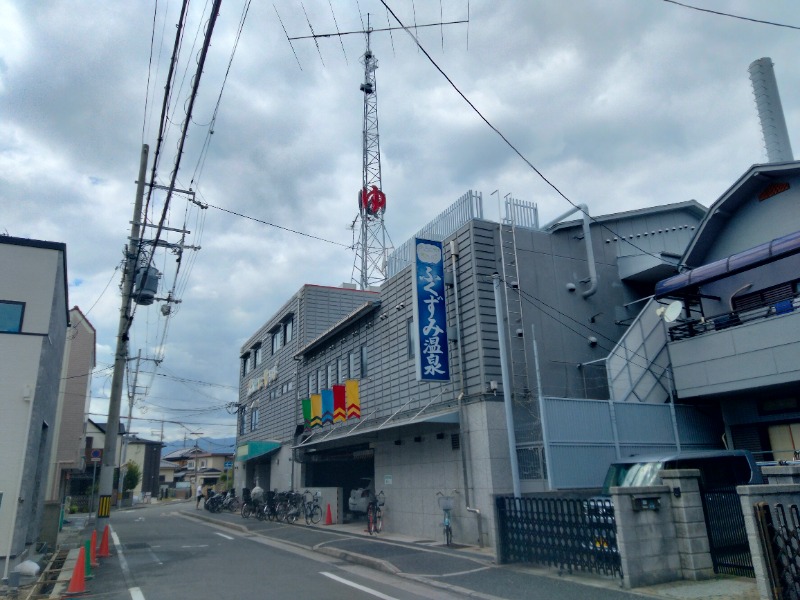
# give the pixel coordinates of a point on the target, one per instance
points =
(328, 518)
(103, 551)
(77, 585)
(93, 549)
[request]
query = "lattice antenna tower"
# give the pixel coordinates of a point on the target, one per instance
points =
(371, 248)
(373, 244)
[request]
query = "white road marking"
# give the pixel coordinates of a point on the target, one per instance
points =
(136, 594)
(370, 591)
(126, 572)
(198, 546)
(227, 537)
(154, 557)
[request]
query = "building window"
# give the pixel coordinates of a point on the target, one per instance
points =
(190, 465)
(343, 370)
(245, 362)
(353, 365)
(242, 420)
(412, 337)
(290, 385)
(312, 384)
(202, 464)
(320, 380)
(277, 341)
(256, 354)
(11, 314)
(331, 375)
(288, 330)
(364, 369)
(253, 417)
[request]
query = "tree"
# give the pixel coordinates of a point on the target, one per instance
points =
(133, 476)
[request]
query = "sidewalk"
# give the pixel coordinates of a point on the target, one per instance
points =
(432, 562)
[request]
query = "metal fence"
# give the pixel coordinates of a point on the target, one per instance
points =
(779, 530)
(727, 537)
(571, 534)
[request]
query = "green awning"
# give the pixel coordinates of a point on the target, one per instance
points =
(256, 449)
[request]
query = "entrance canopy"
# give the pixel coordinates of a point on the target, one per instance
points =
(256, 449)
(375, 425)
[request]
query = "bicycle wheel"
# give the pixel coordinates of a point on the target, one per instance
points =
(233, 506)
(260, 514)
(316, 514)
(247, 510)
(292, 513)
(371, 519)
(448, 535)
(378, 519)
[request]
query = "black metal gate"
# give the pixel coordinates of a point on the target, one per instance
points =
(779, 530)
(567, 533)
(727, 537)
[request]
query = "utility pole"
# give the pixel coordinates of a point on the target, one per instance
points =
(131, 397)
(121, 355)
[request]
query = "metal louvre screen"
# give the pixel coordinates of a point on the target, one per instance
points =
(585, 436)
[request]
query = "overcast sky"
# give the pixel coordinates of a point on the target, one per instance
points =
(621, 104)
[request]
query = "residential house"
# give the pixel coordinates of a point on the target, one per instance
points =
(734, 335)
(73, 405)
(34, 318)
(146, 454)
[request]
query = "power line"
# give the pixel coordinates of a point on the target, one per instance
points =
(505, 139)
(308, 235)
(732, 16)
(181, 423)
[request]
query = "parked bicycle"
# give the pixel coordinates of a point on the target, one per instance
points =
(446, 504)
(289, 506)
(375, 513)
(231, 502)
(311, 507)
(252, 504)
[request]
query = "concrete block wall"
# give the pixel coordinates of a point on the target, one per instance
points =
(749, 496)
(691, 532)
(410, 474)
(646, 539)
(782, 474)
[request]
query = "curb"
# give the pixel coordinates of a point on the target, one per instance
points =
(358, 559)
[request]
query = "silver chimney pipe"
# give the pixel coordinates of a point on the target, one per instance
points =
(770, 111)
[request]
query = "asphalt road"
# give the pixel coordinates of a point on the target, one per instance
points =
(159, 554)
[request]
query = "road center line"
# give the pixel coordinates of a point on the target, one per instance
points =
(370, 591)
(227, 537)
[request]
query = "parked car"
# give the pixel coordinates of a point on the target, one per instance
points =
(361, 497)
(718, 468)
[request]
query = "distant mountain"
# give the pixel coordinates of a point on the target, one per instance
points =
(227, 444)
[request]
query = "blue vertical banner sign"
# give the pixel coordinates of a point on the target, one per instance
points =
(430, 312)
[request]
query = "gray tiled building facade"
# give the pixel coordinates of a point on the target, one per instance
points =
(574, 293)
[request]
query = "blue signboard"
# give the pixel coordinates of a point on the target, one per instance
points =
(430, 312)
(228, 464)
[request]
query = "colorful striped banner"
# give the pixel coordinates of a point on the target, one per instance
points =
(307, 411)
(352, 400)
(339, 411)
(327, 406)
(316, 410)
